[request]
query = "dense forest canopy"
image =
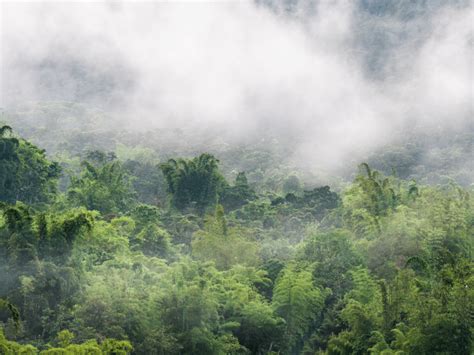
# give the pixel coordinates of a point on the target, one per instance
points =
(175, 259)
(271, 177)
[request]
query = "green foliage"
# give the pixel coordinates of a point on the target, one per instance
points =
(25, 173)
(234, 197)
(102, 186)
(45, 235)
(147, 179)
(193, 183)
(332, 257)
(317, 201)
(118, 347)
(65, 347)
(14, 313)
(154, 241)
(12, 348)
(212, 243)
(64, 338)
(297, 300)
(384, 267)
(260, 328)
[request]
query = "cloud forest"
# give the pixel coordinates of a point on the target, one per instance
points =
(268, 177)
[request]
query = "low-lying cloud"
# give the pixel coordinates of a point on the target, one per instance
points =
(332, 78)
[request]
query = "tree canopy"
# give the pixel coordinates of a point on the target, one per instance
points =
(25, 172)
(109, 262)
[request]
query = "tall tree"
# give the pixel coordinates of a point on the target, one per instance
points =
(194, 183)
(103, 185)
(298, 301)
(25, 173)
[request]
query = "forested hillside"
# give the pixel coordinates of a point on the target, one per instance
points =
(121, 251)
(263, 177)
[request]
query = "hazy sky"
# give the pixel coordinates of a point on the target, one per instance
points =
(331, 76)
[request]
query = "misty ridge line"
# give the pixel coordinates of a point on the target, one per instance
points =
(329, 77)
